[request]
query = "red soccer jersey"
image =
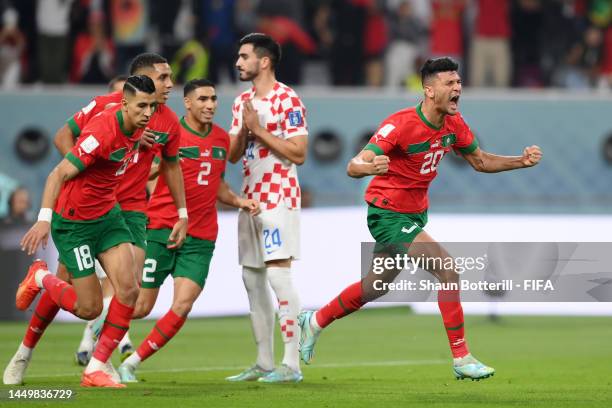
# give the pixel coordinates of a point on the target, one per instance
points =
(203, 159)
(131, 194)
(79, 120)
(415, 147)
(102, 154)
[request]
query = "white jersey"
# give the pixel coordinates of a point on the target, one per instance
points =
(268, 178)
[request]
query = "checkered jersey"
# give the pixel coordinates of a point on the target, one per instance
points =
(267, 177)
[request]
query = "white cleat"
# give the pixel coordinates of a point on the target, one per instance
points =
(15, 370)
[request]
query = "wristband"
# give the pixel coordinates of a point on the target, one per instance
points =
(182, 213)
(45, 214)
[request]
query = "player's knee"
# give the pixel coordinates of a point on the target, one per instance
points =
(89, 310)
(182, 307)
(142, 309)
(127, 295)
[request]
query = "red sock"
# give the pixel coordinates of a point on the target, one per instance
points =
(349, 300)
(61, 292)
(452, 315)
(45, 311)
(164, 330)
(115, 326)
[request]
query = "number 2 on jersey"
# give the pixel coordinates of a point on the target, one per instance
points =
(206, 166)
(432, 159)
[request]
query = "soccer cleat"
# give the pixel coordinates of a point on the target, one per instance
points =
(82, 357)
(471, 368)
(250, 374)
(127, 373)
(125, 351)
(28, 289)
(15, 370)
(110, 370)
(99, 379)
(282, 374)
(308, 338)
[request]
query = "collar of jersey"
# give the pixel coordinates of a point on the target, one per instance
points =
(195, 132)
(265, 98)
(121, 124)
(424, 119)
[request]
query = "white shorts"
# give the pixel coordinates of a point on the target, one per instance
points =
(99, 271)
(271, 235)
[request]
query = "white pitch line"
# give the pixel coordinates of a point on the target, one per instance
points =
(397, 363)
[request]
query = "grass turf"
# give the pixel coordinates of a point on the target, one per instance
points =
(383, 357)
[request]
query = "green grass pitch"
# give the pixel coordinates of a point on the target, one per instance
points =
(375, 358)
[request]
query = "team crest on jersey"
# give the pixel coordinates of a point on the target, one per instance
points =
(295, 118)
(89, 144)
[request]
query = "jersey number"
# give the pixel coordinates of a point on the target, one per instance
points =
(150, 266)
(206, 166)
(83, 257)
(249, 151)
(431, 161)
(272, 239)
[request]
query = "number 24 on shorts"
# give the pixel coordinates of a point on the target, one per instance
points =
(272, 240)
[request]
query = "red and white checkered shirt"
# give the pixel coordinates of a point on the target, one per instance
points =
(268, 178)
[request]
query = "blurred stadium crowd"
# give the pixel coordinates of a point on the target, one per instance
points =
(501, 43)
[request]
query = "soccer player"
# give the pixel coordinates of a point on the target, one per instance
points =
(269, 132)
(80, 209)
(403, 155)
(203, 154)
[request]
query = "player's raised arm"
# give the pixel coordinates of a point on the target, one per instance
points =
(293, 149)
(491, 163)
(367, 163)
(227, 196)
(39, 233)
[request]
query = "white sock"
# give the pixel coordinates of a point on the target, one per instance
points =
(39, 275)
(314, 325)
(134, 360)
(24, 351)
(288, 310)
(262, 314)
(87, 342)
(125, 340)
(94, 365)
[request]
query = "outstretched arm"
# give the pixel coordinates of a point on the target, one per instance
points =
(367, 163)
(491, 163)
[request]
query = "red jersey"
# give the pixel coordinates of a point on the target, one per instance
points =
(131, 193)
(415, 147)
(203, 158)
(102, 155)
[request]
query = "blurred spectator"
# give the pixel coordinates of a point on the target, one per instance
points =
(376, 37)
(606, 64)
(19, 205)
(216, 25)
(348, 20)
(583, 61)
(116, 84)
(600, 12)
(190, 62)
(12, 43)
(130, 20)
(175, 24)
(53, 42)
(245, 17)
(527, 18)
(447, 29)
(408, 32)
(490, 47)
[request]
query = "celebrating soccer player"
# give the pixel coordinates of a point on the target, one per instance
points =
(203, 155)
(403, 155)
(269, 132)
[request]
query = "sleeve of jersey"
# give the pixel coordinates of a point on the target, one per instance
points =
(171, 148)
(236, 117)
(77, 122)
(87, 150)
(384, 139)
(293, 116)
(466, 142)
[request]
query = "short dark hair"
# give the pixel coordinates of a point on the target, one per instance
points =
(137, 83)
(437, 65)
(146, 60)
(118, 78)
(263, 46)
(195, 84)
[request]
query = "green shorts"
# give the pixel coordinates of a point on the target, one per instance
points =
(390, 227)
(191, 261)
(79, 242)
(136, 222)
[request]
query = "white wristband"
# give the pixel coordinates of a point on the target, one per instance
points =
(182, 213)
(45, 214)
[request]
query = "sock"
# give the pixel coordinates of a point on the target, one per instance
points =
(452, 315)
(25, 351)
(44, 313)
(262, 314)
(349, 300)
(288, 309)
(61, 292)
(115, 326)
(39, 276)
(134, 360)
(164, 330)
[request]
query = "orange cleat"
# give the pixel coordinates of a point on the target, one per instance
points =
(99, 379)
(28, 289)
